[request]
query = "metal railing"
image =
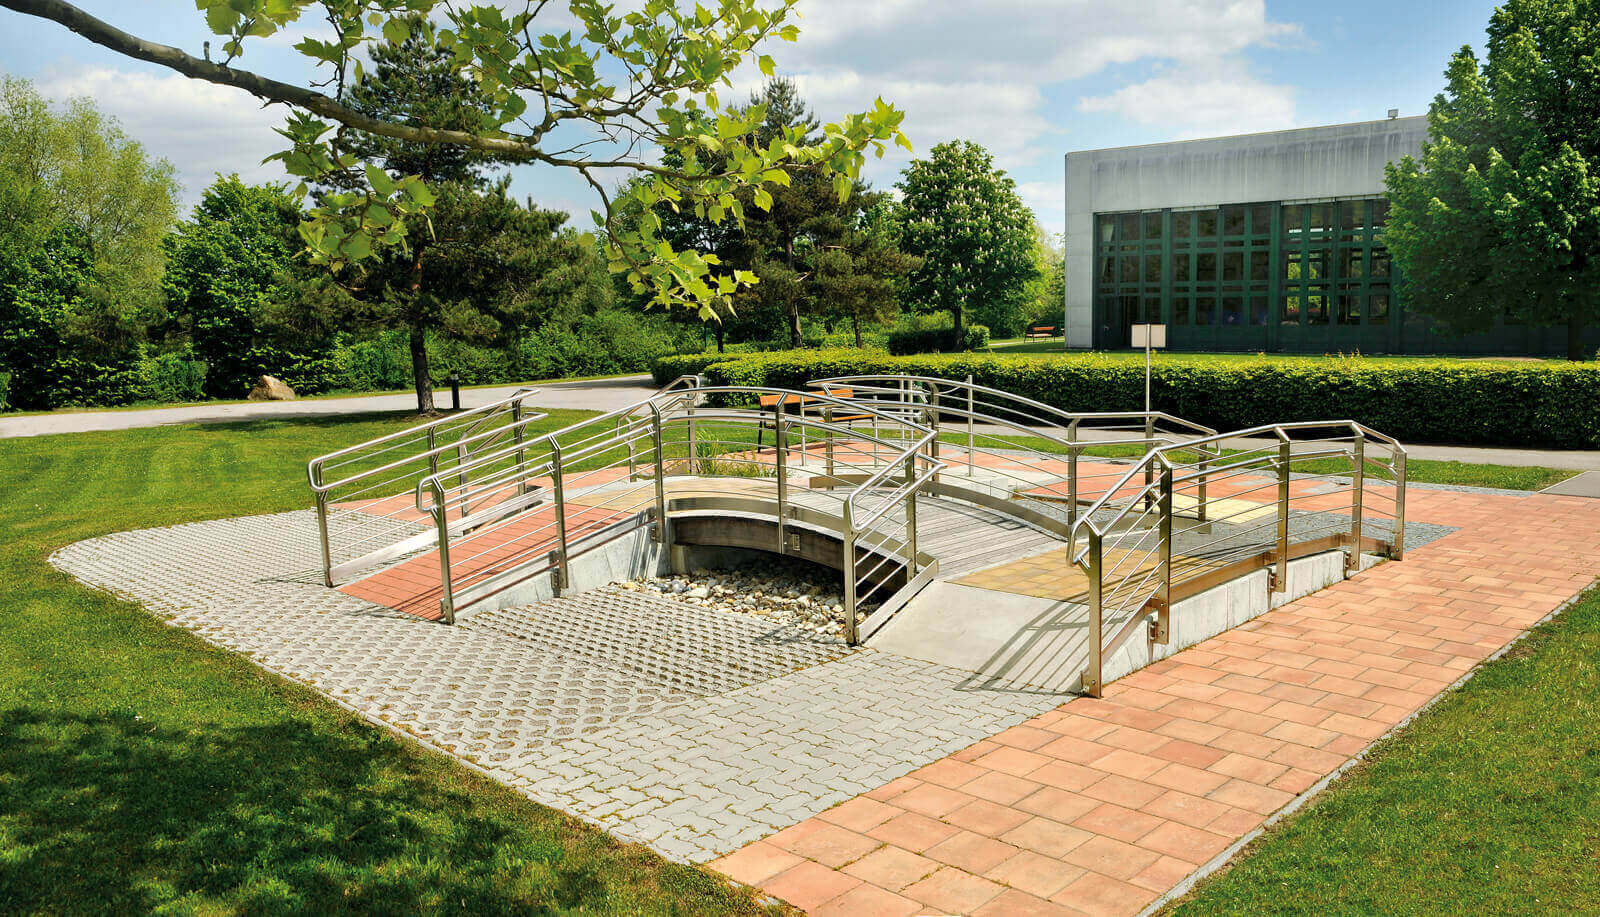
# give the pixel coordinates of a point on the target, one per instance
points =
(1008, 451)
(362, 494)
(675, 455)
(1185, 518)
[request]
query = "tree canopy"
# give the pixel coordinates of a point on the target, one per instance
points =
(651, 78)
(1501, 214)
(976, 239)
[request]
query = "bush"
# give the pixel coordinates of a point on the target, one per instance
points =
(665, 369)
(5, 390)
(938, 340)
(1440, 401)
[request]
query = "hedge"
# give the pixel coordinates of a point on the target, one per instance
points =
(1438, 401)
(665, 369)
(938, 340)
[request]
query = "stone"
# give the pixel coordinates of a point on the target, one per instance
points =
(269, 388)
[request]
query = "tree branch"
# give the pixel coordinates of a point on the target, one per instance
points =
(109, 36)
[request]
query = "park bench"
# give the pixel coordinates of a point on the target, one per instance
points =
(1043, 331)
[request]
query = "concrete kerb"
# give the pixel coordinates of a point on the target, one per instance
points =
(1222, 859)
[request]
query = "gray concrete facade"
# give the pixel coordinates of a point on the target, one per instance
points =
(1306, 164)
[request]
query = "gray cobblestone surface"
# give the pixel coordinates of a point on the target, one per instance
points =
(691, 730)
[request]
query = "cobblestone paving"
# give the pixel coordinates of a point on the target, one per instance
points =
(692, 730)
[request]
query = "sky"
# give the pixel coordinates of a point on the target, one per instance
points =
(1029, 79)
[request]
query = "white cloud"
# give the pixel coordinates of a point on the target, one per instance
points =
(201, 128)
(1197, 102)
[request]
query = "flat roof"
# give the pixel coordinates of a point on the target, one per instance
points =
(1408, 120)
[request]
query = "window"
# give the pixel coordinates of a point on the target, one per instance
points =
(1182, 225)
(1206, 224)
(1233, 221)
(1128, 228)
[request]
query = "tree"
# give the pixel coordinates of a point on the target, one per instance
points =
(975, 238)
(1045, 296)
(76, 168)
(618, 82)
(226, 267)
(1501, 214)
(862, 277)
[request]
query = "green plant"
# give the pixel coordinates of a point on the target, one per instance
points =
(1506, 404)
(938, 340)
(667, 368)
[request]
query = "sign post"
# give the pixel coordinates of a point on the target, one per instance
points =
(1150, 337)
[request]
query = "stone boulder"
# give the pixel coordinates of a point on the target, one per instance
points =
(271, 389)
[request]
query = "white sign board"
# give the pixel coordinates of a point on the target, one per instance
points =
(1151, 336)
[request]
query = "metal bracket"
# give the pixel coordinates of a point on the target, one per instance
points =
(791, 541)
(1160, 622)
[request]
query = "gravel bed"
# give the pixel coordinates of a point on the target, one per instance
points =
(782, 590)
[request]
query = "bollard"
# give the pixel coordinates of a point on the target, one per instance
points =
(455, 391)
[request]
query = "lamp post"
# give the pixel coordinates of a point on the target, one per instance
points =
(1150, 337)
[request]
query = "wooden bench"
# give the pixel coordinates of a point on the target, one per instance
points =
(1043, 331)
(796, 404)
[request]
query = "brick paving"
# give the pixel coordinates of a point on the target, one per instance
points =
(1104, 806)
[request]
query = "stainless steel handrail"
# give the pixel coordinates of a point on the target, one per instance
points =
(461, 434)
(1144, 592)
(552, 457)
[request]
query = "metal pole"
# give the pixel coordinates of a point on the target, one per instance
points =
(1280, 579)
(850, 636)
(561, 513)
(1358, 447)
(827, 439)
(970, 412)
(780, 435)
(1163, 623)
(1092, 676)
(911, 518)
(1147, 369)
(663, 530)
(1200, 485)
(933, 423)
(1397, 550)
(441, 518)
(520, 455)
(1073, 452)
(322, 531)
(1149, 447)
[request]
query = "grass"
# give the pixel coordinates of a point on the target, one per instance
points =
(143, 770)
(1488, 804)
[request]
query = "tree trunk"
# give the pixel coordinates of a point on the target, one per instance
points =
(419, 371)
(1575, 339)
(420, 374)
(719, 338)
(955, 318)
(855, 324)
(794, 301)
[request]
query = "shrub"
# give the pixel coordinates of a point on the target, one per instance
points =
(1506, 404)
(665, 369)
(5, 390)
(937, 340)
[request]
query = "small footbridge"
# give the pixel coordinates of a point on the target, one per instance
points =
(969, 525)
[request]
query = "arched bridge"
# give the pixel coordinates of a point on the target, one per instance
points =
(901, 483)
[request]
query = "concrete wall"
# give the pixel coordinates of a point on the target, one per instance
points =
(1344, 160)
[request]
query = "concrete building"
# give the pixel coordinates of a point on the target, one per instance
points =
(1259, 242)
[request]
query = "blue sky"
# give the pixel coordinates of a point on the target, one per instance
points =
(1030, 79)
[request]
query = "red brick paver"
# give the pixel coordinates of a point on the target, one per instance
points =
(1101, 806)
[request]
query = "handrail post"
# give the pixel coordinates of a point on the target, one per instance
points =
(1162, 632)
(911, 516)
(970, 412)
(1072, 473)
(322, 531)
(780, 435)
(1149, 447)
(933, 424)
(1397, 550)
(1358, 451)
(633, 460)
(663, 531)
(694, 459)
(441, 519)
(1200, 485)
(556, 484)
(1093, 676)
(827, 439)
(1280, 579)
(520, 456)
(850, 636)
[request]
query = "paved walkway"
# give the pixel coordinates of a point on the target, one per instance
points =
(595, 395)
(1109, 806)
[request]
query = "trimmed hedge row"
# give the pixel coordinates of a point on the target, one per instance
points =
(665, 369)
(1440, 401)
(938, 340)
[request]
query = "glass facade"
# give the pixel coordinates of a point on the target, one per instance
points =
(1262, 276)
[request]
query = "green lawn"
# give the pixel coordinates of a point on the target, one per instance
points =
(1487, 804)
(142, 770)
